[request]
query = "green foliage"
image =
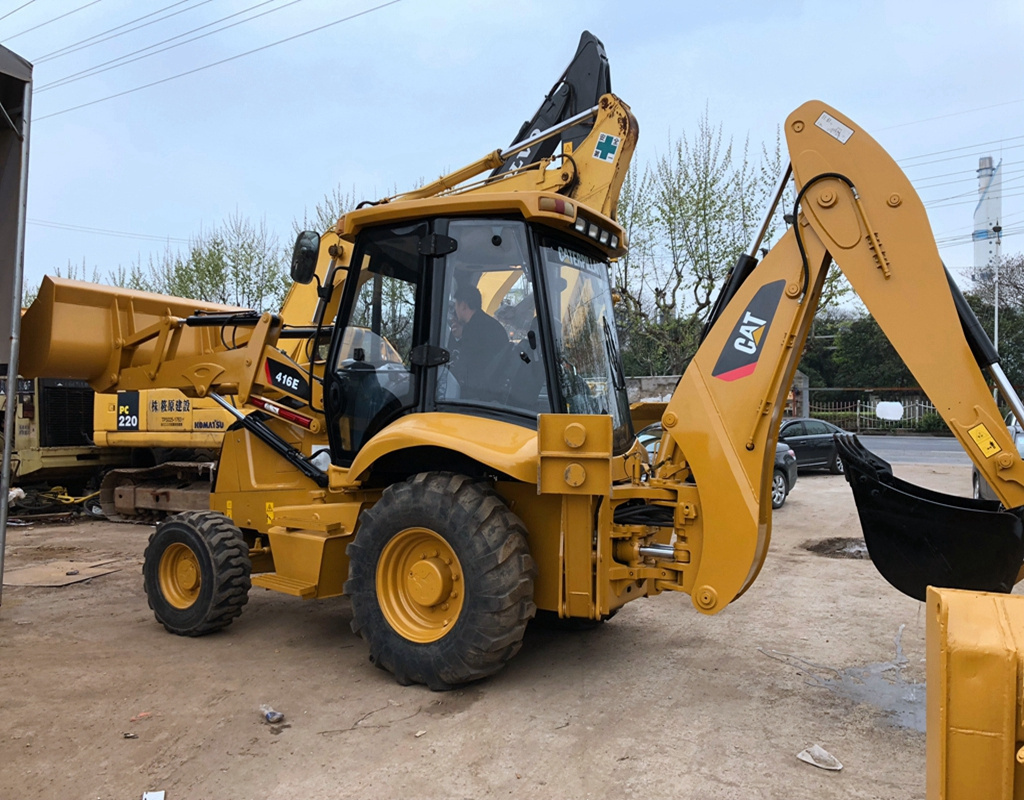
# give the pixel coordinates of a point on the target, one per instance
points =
(1011, 328)
(847, 420)
(864, 358)
(326, 212)
(932, 423)
(238, 263)
(687, 218)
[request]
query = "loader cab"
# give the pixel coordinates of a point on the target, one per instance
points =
(490, 317)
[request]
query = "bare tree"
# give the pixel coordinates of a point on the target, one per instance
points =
(237, 263)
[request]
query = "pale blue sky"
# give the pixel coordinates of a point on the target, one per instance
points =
(418, 87)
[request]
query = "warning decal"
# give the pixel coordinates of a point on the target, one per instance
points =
(984, 440)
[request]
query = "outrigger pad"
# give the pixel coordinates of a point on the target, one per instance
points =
(919, 538)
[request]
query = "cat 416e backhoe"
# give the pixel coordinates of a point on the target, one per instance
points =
(451, 501)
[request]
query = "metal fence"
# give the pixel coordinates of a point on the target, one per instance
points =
(859, 416)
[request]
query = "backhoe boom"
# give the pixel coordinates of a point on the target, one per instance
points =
(856, 207)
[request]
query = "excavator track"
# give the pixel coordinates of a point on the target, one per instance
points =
(148, 494)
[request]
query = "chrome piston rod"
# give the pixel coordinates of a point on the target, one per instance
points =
(662, 552)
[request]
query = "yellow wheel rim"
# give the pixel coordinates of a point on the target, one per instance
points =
(180, 576)
(420, 585)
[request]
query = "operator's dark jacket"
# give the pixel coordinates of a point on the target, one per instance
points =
(481, 350)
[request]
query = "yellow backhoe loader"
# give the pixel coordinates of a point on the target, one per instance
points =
(486, 474)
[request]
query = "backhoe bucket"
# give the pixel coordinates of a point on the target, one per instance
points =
(919, 538)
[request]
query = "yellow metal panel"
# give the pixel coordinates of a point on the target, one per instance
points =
(975, 667)
(575, 454)
(578, 557)
(508, 448)
(311, 557)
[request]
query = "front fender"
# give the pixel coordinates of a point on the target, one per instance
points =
(504, 446)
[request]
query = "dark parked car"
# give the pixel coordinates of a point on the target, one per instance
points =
(982, 491)
(811, 440)
(783, 477)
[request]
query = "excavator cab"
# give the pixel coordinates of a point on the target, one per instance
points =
(496, 318)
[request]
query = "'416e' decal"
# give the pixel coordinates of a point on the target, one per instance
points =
(739, 358)
(286, 378)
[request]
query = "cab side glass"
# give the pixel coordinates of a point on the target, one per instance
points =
(304, 256)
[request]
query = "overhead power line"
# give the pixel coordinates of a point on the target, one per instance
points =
(126, 59)
(5, 16)
(98, 38)
(967, 202)
(41, 24)
(973, 193)
(981, 152)
(221, 61)
(969, 174)
(965, 147)
(64, 226)
(953, 114)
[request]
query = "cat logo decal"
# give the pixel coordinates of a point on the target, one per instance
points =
(739, 358)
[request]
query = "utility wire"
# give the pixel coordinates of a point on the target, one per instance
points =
(41, 24)
(969, 201)
(965, 147)
(100, 68)
(1003, 173)
(953, 114)
(973, 192)
(96, 38)
(972, 175)
(963, 155)
(63, 226)
(5, 16)
(221, 61)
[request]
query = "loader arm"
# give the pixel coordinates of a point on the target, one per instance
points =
(138, 340)
(856, 207)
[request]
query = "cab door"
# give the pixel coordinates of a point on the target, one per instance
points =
(371, 379)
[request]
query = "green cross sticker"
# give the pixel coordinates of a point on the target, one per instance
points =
(607, 146)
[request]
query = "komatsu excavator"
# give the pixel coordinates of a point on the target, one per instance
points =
(451, 496)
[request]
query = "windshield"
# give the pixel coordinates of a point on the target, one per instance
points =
(585, 339)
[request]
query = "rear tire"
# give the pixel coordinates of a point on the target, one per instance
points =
(196, 573)
(440, 580)
(779, 489)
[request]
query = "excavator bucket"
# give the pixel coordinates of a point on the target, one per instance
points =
(919, 538)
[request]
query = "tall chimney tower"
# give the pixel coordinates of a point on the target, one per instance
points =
(987, 230)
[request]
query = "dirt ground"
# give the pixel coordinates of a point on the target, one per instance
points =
(659, 702)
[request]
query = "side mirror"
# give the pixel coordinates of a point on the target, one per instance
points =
(304, 256)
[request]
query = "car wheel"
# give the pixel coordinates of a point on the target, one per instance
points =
(778, 489)
(835, 466)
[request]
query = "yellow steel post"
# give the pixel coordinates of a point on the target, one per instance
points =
(975, 667)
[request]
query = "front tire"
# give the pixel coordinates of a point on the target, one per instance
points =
(440, 580)
(196, 573)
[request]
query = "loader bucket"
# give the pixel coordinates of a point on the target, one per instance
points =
(919, 538)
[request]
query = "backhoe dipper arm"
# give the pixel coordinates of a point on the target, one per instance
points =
(857, 207)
